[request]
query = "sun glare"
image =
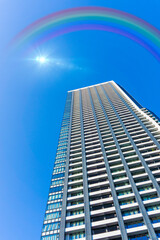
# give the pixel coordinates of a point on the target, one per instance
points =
(41, 59)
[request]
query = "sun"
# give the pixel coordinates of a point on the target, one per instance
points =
(41, 59)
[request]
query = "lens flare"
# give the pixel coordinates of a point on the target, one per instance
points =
(41, 59)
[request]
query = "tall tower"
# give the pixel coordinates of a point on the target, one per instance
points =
(106, 176)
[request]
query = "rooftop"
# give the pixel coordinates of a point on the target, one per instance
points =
(90, 86)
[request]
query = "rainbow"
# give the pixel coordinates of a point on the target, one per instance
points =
(90, 18)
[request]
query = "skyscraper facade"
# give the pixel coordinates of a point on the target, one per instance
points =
(106, 176)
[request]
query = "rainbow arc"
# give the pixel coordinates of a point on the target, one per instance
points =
(90, 18)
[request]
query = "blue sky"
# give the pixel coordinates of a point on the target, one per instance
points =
(32, 99)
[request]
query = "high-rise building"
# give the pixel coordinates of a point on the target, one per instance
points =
(106, 176)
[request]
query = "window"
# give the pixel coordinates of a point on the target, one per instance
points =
(73, 224)
(134, 224)
(51, 237)
(158, 233)
(124, 193)
(149, 197)
(58, 175)
(56, 189)
(127, 213)
(54, 205)
(59, 164)
(56, 182)
(53, 215)
(155, 219)
(126, 202)
(76, 194)
(145, 188)
(76, 202)
(76, 235)
(51, 226)
(139, 237)
(55, 197)
(152, 208)
(61, 169)
(77, 212)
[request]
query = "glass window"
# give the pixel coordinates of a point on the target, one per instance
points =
(127, 213)
(152, 208)
(76, 235)
(51, 226)
(56, 189)
(134, 224)
(149, 197)
(124, 193)
(51, 237)
(55, 197)
(53, 215)
(54, 205)
(57, 182)
(58, 175)
(57, 170)
(77, 212)
(155, 219)
(60, 160)
(59, 164)
(72, 224)
(139, 237)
